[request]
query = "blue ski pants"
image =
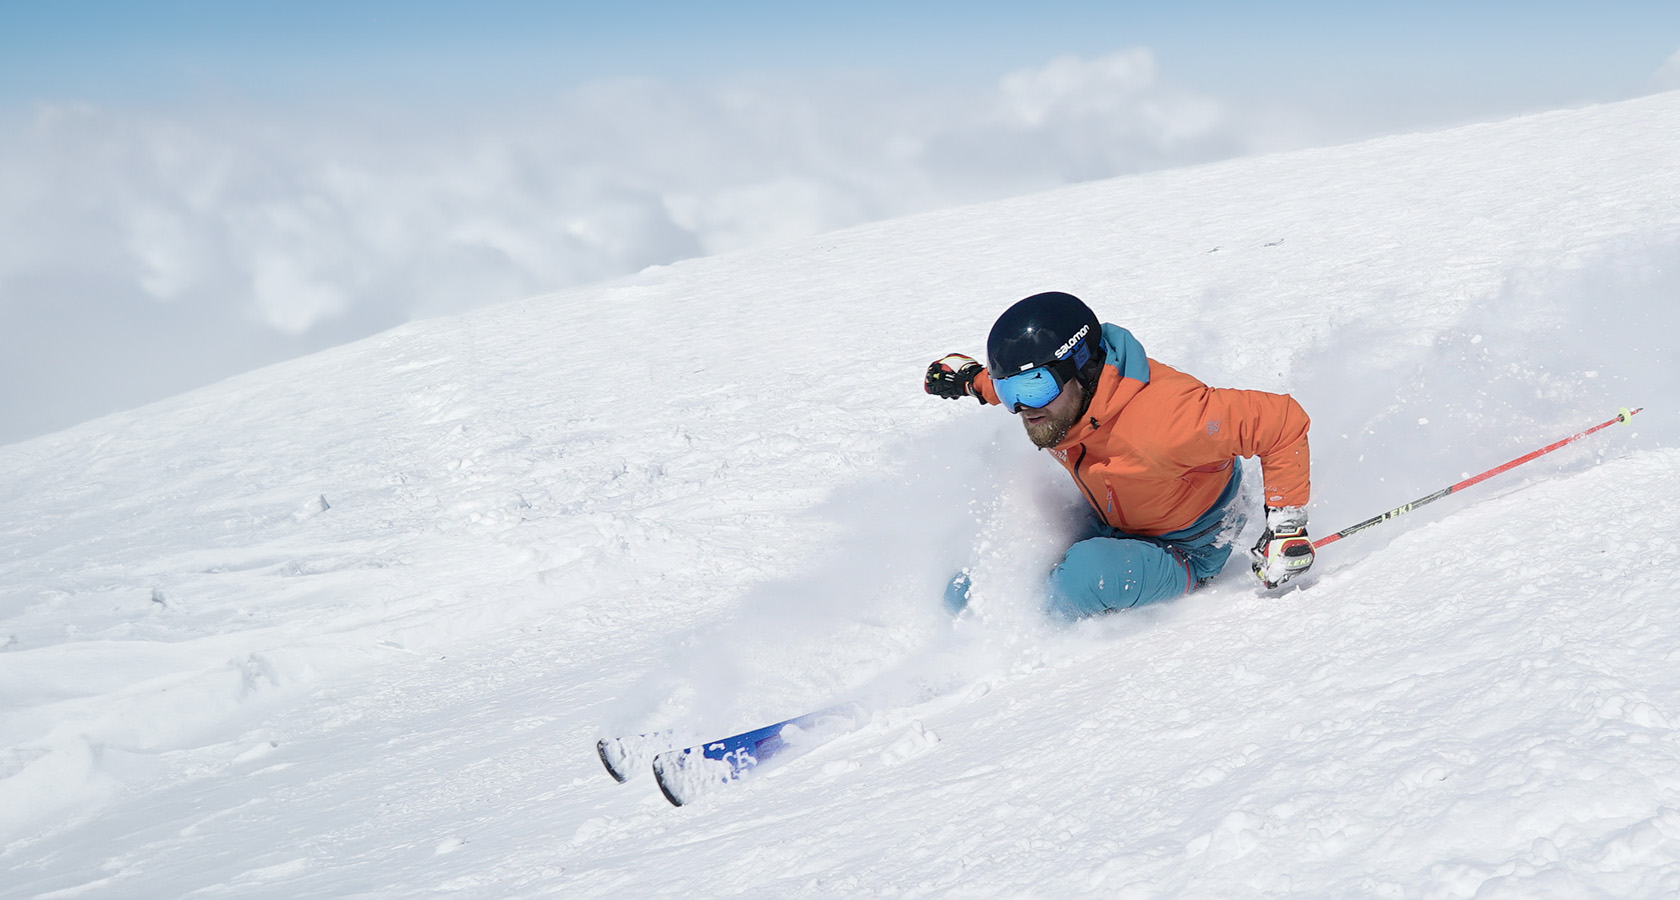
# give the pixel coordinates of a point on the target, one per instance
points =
(1113, 570)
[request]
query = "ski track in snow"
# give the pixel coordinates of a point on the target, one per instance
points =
(351, 625)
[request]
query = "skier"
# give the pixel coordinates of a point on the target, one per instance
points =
(1152, 449)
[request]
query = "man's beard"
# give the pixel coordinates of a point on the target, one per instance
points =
(1052, 430)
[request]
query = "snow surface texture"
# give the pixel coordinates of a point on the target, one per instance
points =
(352, 625)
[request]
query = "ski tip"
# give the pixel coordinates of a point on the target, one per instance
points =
(668, 795)
(606, 760)
(664, 787)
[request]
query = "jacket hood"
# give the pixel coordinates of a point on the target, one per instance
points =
(1125, 371)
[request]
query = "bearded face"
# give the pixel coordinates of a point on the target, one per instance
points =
(1049, 424)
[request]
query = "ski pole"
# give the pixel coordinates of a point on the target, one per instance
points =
(1623, 415)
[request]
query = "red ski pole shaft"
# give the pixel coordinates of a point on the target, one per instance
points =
(1622, 416)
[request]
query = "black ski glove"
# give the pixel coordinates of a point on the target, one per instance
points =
(952, 377)
(1283, 551)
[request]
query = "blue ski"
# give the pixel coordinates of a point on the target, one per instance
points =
(685, 774)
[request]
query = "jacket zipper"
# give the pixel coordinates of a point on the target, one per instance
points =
(1089, 494)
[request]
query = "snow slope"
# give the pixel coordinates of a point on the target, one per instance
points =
(350, 625)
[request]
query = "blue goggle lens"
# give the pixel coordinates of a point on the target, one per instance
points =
(1033, 388)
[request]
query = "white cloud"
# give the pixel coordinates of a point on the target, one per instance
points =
(1111, 115)
(1070, 87)
(1667, 76)
(315, 228)
(289, 297)
(167, 256)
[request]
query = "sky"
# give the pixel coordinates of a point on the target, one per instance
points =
(1485, 53)
(192, 189)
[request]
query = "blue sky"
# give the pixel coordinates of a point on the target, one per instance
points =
(189, 189)
(1454, 57)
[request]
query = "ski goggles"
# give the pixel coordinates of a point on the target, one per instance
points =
(1034, 388)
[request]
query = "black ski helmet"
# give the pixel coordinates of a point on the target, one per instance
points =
(1045, 330)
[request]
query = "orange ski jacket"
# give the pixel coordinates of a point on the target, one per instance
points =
(1155, 448)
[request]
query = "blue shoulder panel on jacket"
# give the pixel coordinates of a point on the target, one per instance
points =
(1125, 353)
